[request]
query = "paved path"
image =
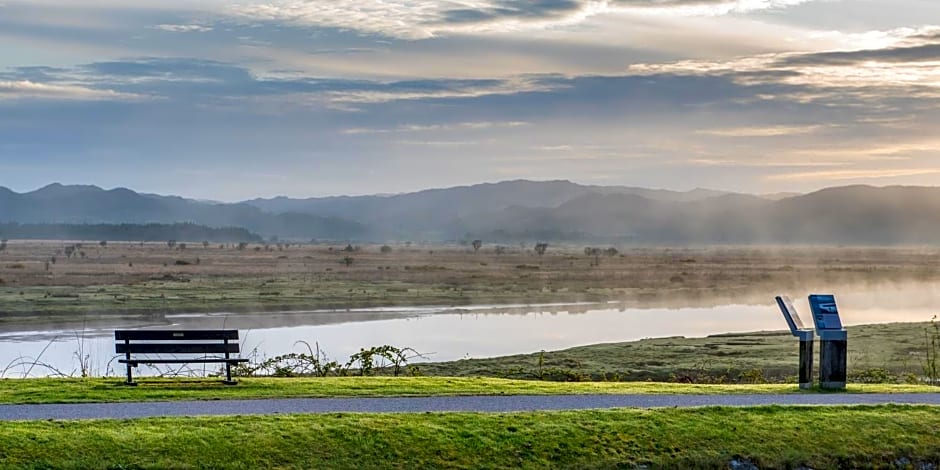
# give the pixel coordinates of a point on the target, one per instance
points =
(438, 404)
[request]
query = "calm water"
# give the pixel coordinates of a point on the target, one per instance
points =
(447, 333)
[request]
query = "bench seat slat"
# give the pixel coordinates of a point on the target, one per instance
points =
(171, 335)
(176, 348)
(181, 361)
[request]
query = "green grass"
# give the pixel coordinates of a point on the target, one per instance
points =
(770, 437)
(111, 390)
(887, 352)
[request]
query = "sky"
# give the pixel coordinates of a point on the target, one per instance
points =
(236, 99)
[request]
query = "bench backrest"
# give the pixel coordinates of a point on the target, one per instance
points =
(175, 341)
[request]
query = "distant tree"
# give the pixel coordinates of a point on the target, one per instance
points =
(205, 243)
(53, 260)
(242, 246)
(477, 244)
(611, 252)
(103, 243)
(347, 261)
(3, 245)
(171, 243)
(82, 254)
(595, 252)
(385, 249)
(182, 246)
(349, 248)
(500, 249)
(540, 248)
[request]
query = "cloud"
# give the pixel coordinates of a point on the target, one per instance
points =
(845, 175)
(915, 69)
(480, 125)
(423, 19)
(768, 131)
(183, 28)
(26, 89)
(893, 55)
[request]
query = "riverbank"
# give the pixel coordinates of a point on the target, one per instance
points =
(881, 353)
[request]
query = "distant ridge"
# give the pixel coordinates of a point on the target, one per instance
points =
(523, 210)
(78, 204)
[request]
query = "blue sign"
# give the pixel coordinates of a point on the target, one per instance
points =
(825, 312)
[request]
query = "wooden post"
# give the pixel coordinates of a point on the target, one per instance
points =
(833, 348)
(806, 363)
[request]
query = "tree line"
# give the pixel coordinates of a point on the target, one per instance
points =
(126, 232)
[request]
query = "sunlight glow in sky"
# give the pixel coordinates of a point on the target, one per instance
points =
(231, 100)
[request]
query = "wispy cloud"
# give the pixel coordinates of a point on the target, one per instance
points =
(24, 89)
(847, 175)
(183, 28)
(764, 131)
(422, 19)
(439, 127)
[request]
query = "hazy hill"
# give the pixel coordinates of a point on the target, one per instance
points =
(438, 213)
(523, 210)
(92, 205)
(462, 200)
(846, 215)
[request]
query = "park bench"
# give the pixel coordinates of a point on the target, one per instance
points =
(214, 346)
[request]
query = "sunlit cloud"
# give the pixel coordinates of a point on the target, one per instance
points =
(11, 90)
(183, 28)
(769, 131)
(847, 175)
(423, 19)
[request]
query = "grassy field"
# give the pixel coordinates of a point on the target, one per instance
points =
(36, 391)
(893, 352)
(152, 277)
(769, 437)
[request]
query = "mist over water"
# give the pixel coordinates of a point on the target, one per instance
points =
(450, 333)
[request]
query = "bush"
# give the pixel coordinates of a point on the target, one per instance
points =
(385, 249)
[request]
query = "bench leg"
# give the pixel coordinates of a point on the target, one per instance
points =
(228, 375)
(130, 377)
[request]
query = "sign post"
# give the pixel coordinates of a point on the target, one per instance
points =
(806, 337)
(833, 342)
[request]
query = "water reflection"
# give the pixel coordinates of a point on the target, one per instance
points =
(447, 333)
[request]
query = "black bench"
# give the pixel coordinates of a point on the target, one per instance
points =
(172, 342)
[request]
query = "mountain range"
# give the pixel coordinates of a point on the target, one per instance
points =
(523, 210)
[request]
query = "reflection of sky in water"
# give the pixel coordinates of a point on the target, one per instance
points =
(448, 333)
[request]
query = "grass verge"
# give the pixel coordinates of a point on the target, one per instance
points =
(769, 437)
(35, 391)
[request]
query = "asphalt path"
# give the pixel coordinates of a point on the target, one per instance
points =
(488, 404)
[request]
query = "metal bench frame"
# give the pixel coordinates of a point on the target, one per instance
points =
(222, 342)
